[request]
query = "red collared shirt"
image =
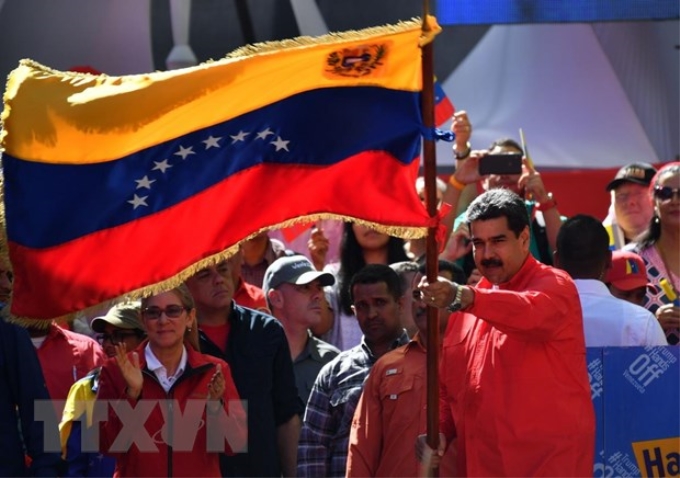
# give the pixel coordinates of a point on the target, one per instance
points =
(66, 357)
(248, 295)
(514, 383)
(391, 413)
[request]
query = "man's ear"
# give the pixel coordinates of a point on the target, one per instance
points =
(525, 235)
(275, 298)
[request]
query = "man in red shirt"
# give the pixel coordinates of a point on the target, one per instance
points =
(65, 358)
(245, 294)
(514, 385)
(392, 410)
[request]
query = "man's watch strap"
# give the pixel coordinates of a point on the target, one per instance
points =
(457, 303)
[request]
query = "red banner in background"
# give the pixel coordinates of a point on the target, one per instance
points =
(579, 191)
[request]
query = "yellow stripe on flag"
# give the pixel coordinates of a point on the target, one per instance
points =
(75, 118)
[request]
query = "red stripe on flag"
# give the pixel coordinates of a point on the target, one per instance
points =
(443, 111)
(443, 108)
(87, 271)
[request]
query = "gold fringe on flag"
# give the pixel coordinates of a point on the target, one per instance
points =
(178, 279)
(340, 37)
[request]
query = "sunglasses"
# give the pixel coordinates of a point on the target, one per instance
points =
(666, 193)
(171, 312)
(115, 338)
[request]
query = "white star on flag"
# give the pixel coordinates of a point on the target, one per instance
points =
(241, 136)
(137, 201)
(145, 182)
(184, 152)
(264, 134)
(161, 166)
(212, 142)
(280, 143)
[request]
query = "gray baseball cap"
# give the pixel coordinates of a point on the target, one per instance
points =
(293, 270)
(123, 316)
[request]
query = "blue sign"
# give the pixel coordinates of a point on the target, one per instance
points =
(636, 394)
(472, 12)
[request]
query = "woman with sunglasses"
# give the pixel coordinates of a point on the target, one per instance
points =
(659, 246)
(121, 324)
(182, 406)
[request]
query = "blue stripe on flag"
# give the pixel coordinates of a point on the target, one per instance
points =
(49, 204)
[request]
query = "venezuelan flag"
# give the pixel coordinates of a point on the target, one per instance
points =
(120, 186)
(443, 108)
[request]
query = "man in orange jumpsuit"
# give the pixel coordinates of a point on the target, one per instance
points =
(514, 385)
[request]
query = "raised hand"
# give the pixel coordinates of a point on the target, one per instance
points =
(467, 170)
(461, 127)
(531, 182)
(459, 244)
(669, 316)
(131, 370)
(318, 245)
(216, 385)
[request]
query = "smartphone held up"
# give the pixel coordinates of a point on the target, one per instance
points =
(500, 163)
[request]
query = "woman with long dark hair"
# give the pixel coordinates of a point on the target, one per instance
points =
(659, 246)
(360, 245)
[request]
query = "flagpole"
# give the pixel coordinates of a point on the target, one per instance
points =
(431, 252)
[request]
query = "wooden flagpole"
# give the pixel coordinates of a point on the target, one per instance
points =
(432, 250)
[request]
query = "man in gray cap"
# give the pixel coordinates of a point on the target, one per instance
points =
(294, 292)
(631, 208)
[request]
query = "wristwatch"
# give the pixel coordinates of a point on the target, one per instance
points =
(457, 303)
(464, 154)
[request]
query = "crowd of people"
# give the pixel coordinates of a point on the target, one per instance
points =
(309, 359)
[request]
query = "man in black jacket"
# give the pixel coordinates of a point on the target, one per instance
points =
(21, 385)
(255, 347)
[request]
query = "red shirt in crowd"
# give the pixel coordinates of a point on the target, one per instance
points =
(66, 357)
(514, 382)
(248, 295)
(391, 413)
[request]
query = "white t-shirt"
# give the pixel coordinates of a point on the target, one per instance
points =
(608, 321)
